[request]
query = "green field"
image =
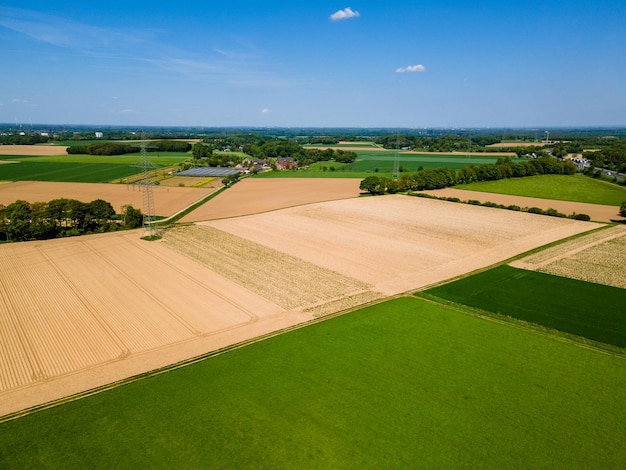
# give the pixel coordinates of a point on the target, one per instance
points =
(81, 168)
(577, 188)
(381, 162)
(580, 308)
(402, 384)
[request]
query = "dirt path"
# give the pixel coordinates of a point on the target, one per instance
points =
(597, 212)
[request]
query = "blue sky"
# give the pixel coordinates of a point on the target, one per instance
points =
(439, 63)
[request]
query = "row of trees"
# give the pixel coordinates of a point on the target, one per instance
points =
(444, 177)
(104, 148)
(19, 139)
(21, 220)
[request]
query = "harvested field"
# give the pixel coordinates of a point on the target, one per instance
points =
(252, 196)
(35, 150)
(285, 280)
(167, 201)
(599, 257)
(83, 312)
(398, 243)
(110, 306)
(597, 212)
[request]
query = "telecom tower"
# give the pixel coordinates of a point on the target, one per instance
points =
(146, 187)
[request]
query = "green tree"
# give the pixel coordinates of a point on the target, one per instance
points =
(132, 218)
(100, 212)
(622, 209)
(373, 185)
(199, 150)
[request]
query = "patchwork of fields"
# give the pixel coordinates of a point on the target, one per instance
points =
(136, 298)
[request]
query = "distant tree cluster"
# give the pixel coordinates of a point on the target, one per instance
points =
(443, 177)
(291, 149)
(612, 157)
(441, 143)
(21, 220)
(104, 148)
(169, 146)
(19, 139)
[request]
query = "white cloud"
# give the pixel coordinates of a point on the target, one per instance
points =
(344, 14)
(265, 111)
(412, 68)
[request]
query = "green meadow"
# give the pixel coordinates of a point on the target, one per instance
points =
(593, 311)
(402, 384)
(577, 188)
(81, 168)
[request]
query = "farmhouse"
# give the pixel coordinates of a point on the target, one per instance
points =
(286, 163)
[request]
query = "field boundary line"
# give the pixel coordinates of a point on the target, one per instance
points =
(185, 362)
(535, 328)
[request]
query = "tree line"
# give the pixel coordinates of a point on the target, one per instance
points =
(444, 177)
(22, 221)
(104, 148)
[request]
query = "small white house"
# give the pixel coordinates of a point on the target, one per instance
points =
(99, 135)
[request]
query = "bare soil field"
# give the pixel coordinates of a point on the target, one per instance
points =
(79, 313)
(399, 243)
(597, 212)
(33, 150)
(599, 257)
(167, 200)
(252, 196)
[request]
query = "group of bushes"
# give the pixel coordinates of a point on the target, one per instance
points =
(439, 178)
(21, 220)
(532, 210)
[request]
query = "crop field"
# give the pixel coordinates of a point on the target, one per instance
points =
(80, 168)
(391, 385)
(35, 150)
(599, 257)
(576, 307)
(577, 188)
(83, 312)
(397, 243)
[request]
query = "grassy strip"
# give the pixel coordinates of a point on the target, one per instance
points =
(397, 383)
(577, 188)
(575, 307)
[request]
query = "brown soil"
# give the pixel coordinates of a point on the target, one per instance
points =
(33, 150)
(84, 312)
(253, 195)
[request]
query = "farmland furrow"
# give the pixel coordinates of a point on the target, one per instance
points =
(252, 317)
(136, 319)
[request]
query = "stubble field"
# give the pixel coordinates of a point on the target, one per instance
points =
(79, 313)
